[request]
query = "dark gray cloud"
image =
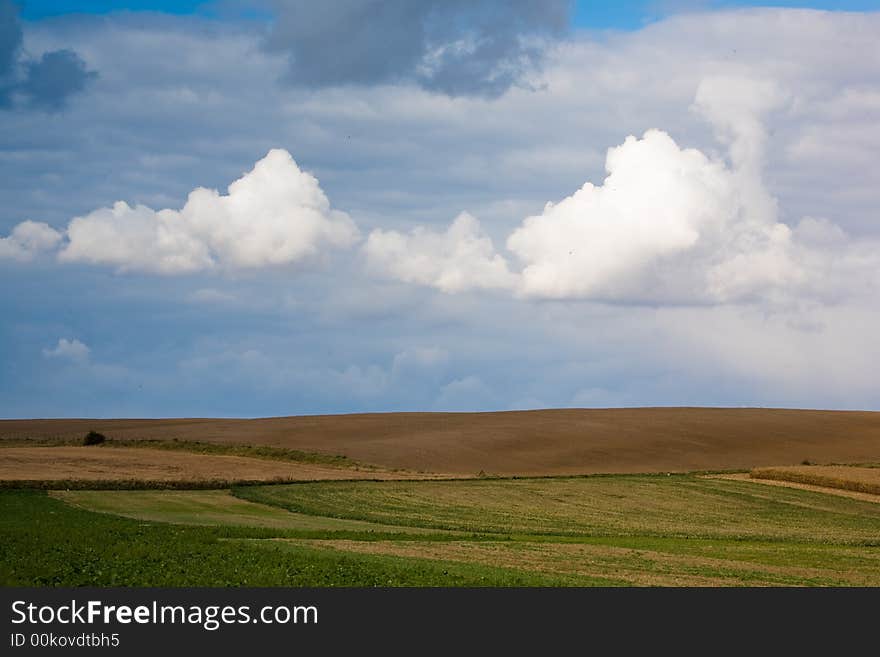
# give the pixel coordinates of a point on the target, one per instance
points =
(456, 47)
(53, 78)
(10, 36)
(10, 43)
(44, 83)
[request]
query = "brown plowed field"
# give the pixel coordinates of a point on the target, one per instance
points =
(155, 465)
(546, 442)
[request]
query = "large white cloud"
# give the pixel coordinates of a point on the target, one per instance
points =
(668, 223)
(275, 214)
(673, 224)
(458, 259)
(620, 238)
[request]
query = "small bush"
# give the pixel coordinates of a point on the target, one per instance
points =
(94, 438)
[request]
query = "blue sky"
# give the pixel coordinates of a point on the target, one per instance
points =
(436, 209)
(626, 14)
(36, 9)
(634, 14)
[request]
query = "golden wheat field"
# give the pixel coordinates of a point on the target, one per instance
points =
(858, 479)
(156, 466)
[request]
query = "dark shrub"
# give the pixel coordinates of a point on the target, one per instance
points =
(94, 438)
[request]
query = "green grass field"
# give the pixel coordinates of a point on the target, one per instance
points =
(46, 542)
(579, 531)
(215, 508)
(681, 506)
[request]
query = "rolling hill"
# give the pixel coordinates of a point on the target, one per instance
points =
(542, 442)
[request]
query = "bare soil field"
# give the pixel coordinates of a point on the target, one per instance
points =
(545, 442)
(862, 480)
(35, 464)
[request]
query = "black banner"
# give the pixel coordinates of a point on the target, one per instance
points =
(408, 621)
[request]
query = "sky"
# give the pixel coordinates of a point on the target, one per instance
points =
(249, 208)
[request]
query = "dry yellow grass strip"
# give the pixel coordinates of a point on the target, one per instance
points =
(94, 464)
(745, 476)
(639, 567)
(845, 477)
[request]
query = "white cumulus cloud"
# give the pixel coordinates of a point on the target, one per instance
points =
(622, 237)
(27, 239)
(275, 214)
(72, 350)
(673, 224)
(458, 259)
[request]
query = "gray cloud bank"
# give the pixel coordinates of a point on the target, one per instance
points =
(455, 47)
